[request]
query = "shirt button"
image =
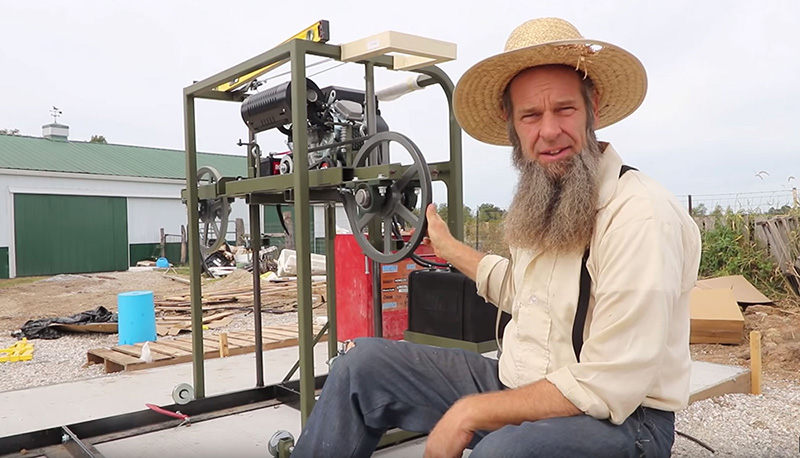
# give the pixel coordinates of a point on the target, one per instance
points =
(533, 300)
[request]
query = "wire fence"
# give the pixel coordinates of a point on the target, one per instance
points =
(761, 202)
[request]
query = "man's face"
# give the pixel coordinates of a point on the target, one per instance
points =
(549, 116)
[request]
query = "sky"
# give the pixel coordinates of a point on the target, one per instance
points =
(719, 122)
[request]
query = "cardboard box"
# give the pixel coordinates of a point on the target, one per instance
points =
(715, 317)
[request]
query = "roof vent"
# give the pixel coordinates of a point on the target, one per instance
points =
(55, 132)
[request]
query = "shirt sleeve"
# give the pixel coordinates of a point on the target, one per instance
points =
(493, 272)
(636, 284)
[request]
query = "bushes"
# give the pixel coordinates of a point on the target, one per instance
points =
(729, 248)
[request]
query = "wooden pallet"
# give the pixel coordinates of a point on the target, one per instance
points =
(179, 350)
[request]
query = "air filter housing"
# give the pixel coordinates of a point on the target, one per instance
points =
(273, 107)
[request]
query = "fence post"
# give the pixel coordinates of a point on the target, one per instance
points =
(477, 227)
(183, 244)
(690, 204)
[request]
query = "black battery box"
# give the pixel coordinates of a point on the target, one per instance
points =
(446, 303)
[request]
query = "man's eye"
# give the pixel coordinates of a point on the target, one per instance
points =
(566, 110)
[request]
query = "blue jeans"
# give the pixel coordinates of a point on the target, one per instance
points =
(382, 384)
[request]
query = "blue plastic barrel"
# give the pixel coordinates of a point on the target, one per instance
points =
(162, 263)
(136, 317)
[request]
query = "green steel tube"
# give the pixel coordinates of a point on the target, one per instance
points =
(330, 269)
(194, 248)
(302, 220)
(455, 179)
(255, 247)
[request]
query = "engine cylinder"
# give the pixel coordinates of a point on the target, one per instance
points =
(273, 107)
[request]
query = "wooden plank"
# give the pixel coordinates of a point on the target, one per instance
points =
(220, 323)
(113, 361)
(755, 362)
(170, 351)
(166, 352)
(282, 332)
(107, 328)
(136, 352)
(185, 344)
(241, 341)
(250, 336)
(223, 345)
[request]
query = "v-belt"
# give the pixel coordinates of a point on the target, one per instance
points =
(583, 295)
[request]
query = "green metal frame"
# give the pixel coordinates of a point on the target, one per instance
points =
(303, 184)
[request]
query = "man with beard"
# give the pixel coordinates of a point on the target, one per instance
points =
(580, 230)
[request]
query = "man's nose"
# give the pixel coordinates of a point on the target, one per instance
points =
(550, 128)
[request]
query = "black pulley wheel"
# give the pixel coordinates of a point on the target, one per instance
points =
(213, 214)
(389, 202)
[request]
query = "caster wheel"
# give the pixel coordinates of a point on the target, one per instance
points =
(281, 444)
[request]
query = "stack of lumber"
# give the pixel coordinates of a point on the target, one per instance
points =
(173, 313)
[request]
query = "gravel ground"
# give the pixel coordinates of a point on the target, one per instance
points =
(64, 360)
(743, 425)
(735, 425)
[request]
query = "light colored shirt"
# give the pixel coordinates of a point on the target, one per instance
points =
(643, 261)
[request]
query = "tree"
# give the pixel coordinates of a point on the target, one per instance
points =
(784, 210)
(442, 210)
(12, 132)
(699, 210)
(98, 139)
(490, 212)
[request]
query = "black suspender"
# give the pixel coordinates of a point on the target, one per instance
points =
(583, 295)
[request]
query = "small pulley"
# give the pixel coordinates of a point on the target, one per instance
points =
(182, 393)
(287, 164)
(281, 444)
(213, 214)
(385, 203)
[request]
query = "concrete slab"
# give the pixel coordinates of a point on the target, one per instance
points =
(245, 434)
(54, 405)
(710, 379)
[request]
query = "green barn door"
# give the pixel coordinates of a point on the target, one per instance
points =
(70, 234)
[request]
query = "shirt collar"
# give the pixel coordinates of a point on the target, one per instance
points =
(608, 176)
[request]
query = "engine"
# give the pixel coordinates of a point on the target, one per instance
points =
(335, 115)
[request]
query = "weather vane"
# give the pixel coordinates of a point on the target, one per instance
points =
(55, 113)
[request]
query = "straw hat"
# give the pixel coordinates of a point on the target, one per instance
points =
(618, 76)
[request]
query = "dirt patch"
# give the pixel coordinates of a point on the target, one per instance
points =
(779, 326)
(64, 295)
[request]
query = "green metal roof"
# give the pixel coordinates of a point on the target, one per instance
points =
(35, 153)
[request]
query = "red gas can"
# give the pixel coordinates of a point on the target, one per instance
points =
(354, 291)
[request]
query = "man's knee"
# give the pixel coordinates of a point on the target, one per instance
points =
(365, 354)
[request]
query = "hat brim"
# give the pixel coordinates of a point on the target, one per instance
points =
(618, 76)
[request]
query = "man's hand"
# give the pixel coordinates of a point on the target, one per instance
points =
(450, 437)
(439, 237)
(447, 247)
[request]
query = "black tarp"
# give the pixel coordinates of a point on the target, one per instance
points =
(40, 329)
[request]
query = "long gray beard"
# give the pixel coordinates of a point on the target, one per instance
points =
(551, 213)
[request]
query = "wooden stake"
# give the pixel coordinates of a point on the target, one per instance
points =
(755, 362)
(183, 244)
(223, 345)
(163, 243)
